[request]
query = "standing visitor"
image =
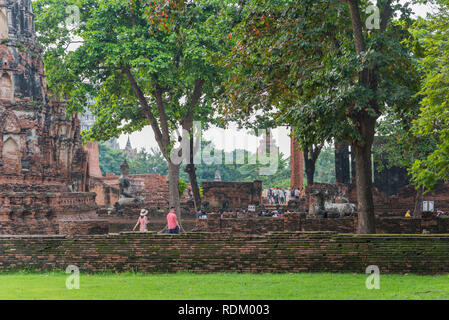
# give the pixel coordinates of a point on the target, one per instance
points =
(303, 193)
(276, 196)
(198, 216)
(288, 195)
(297, 193)
(142, 221)
(172, 221)
(281, 196)
(269, 195)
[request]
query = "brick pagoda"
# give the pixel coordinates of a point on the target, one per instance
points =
(43, 167)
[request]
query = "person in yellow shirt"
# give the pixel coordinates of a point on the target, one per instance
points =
(407, 214)
(303, 193)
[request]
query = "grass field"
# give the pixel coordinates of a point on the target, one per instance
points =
(221, 286)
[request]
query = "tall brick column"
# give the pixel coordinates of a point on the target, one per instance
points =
(93, 159)
(296, 165)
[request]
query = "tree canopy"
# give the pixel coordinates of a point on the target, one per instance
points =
(140, 62)
(433, 121)
(329, 69)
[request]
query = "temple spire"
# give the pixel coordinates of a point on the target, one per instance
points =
(128, 144)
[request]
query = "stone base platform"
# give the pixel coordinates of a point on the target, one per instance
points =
(215, 252)
(41, 213)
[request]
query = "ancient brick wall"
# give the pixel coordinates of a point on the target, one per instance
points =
(41, 213)
(250, 226)
(74, 227)
(151, 188)
(93, 159)
(341, 225)
(299, 222)
(205, 252)
(394, 205)
(235, 195)
(24, 225)
(106, 194)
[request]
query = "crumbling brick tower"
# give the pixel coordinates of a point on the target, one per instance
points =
(43, 168)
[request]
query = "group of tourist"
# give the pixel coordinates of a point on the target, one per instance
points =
(274, 214)
(172, 221)
(281, 196)
(437, 212)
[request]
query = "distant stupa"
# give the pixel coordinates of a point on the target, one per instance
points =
(267, 144)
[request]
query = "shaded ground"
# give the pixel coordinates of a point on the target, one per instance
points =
(221, 286)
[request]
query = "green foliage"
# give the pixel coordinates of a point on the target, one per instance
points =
(154, 163)
(149, 162)
(117, 37)
(325, 166)
(247, 171)
(182, 186)
(140, 63)
(433, 121)
(295, 63)
(110, 159)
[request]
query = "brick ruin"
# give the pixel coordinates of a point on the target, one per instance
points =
(43, 167)
(385, 205)
(296, 165)
(248, 224)
(151, 188)
(213, 252)
(231, 195)
(46, 173)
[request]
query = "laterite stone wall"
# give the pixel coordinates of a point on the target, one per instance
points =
(208, 252)
(299, 222)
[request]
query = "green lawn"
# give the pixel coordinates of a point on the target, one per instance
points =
(222, 286)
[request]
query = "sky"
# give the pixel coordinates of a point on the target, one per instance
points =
(232, 138)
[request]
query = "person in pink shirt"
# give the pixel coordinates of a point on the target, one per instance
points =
(172, 221)
(142, 221)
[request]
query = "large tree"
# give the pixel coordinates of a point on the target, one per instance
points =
(433, 121)
(329, 61)
(140, 62)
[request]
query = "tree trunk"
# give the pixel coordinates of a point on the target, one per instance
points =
(417, 212)
(341, 162)
(365, 204)
(365, 121)
(353, 170)
(310, 157)
(310, 171)
(191, 170)
(173, 182)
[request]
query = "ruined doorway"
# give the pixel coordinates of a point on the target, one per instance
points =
(11, 156)
(3, 25)
(6, 89)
